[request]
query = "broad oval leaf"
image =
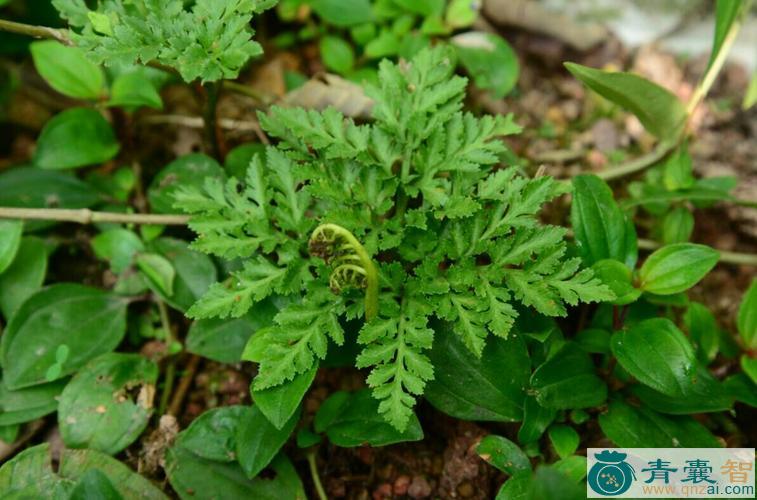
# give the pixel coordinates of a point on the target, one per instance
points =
(337, 54)
(193, 477)
(661, 112)
(473, 388)
(67, 70)
(108, 404)
(618, 278)
(657, 354)
(188, 170)
(568, 380)
(10, 240)
(355, 421)
(747, 318)
(213, 435)
(24, 276)
(279, 403)
(536, 419)
(30, 475)
(75, 138)
(639, 427)
(334, 12)
(25, 405)
(564, 439)
(31, 187)
(489, 59)
(676, 268)
(118, 246)
(134, 90)
(195, 272)
(503, 454)
(705, 394)
(258, 441)
(87, 320)
(602, 230)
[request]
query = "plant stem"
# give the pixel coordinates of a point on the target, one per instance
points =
(316, 478)
(212, 90)
(640, 163)
(35, 31)
(184, 384)
(87, 216)
(717, 64)
(165, 322)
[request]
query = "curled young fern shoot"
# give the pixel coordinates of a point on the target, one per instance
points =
(353, 267)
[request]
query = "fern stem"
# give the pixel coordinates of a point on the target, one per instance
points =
(371, 274)
(35, 31)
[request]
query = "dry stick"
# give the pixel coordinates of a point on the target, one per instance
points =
(35, 31)
(87, 216)
(184, 384)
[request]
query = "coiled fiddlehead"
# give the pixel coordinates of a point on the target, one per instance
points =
(353, 267)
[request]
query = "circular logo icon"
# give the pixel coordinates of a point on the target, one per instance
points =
(611, 475)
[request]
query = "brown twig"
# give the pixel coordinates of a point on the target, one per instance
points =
(35, 31)
(184, 384)
(87, 216)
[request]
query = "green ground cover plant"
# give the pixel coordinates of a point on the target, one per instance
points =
(411, 251)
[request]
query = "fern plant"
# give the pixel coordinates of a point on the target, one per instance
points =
(210, 41)
(402, 222)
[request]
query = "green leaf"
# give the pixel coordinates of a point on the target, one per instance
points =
(10, 241)
(337, 54)
(726, 14)
(503, 454)
(661, 113)
(194, 477)
(565, 439)
(356, 422)
(159, 272)
(573, 467)
(657, 354)
(549, 482)
(118, 246)
(31, 187)
(334, 12)
(747, 317)
(704, 394)
(30, 475)
(213, 435)
(472, 388)
(91, 322)
(279, 403)
(75, 138)
(516, 487)
(677, 170)
(749, 366)
(258, 441)
(602, 230)
(76, 463)
(67, 70)
(30, 403)
(536, 419)
(94, 484)
(568, 380)
(677, 226)
(224, 340)
(134, 90)
(676, 268)
(108, 404)
(185, 172)
(703, 331)
(639, 427)
(488, 58)
(461, 13)
(195, 272)
(617, 277)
